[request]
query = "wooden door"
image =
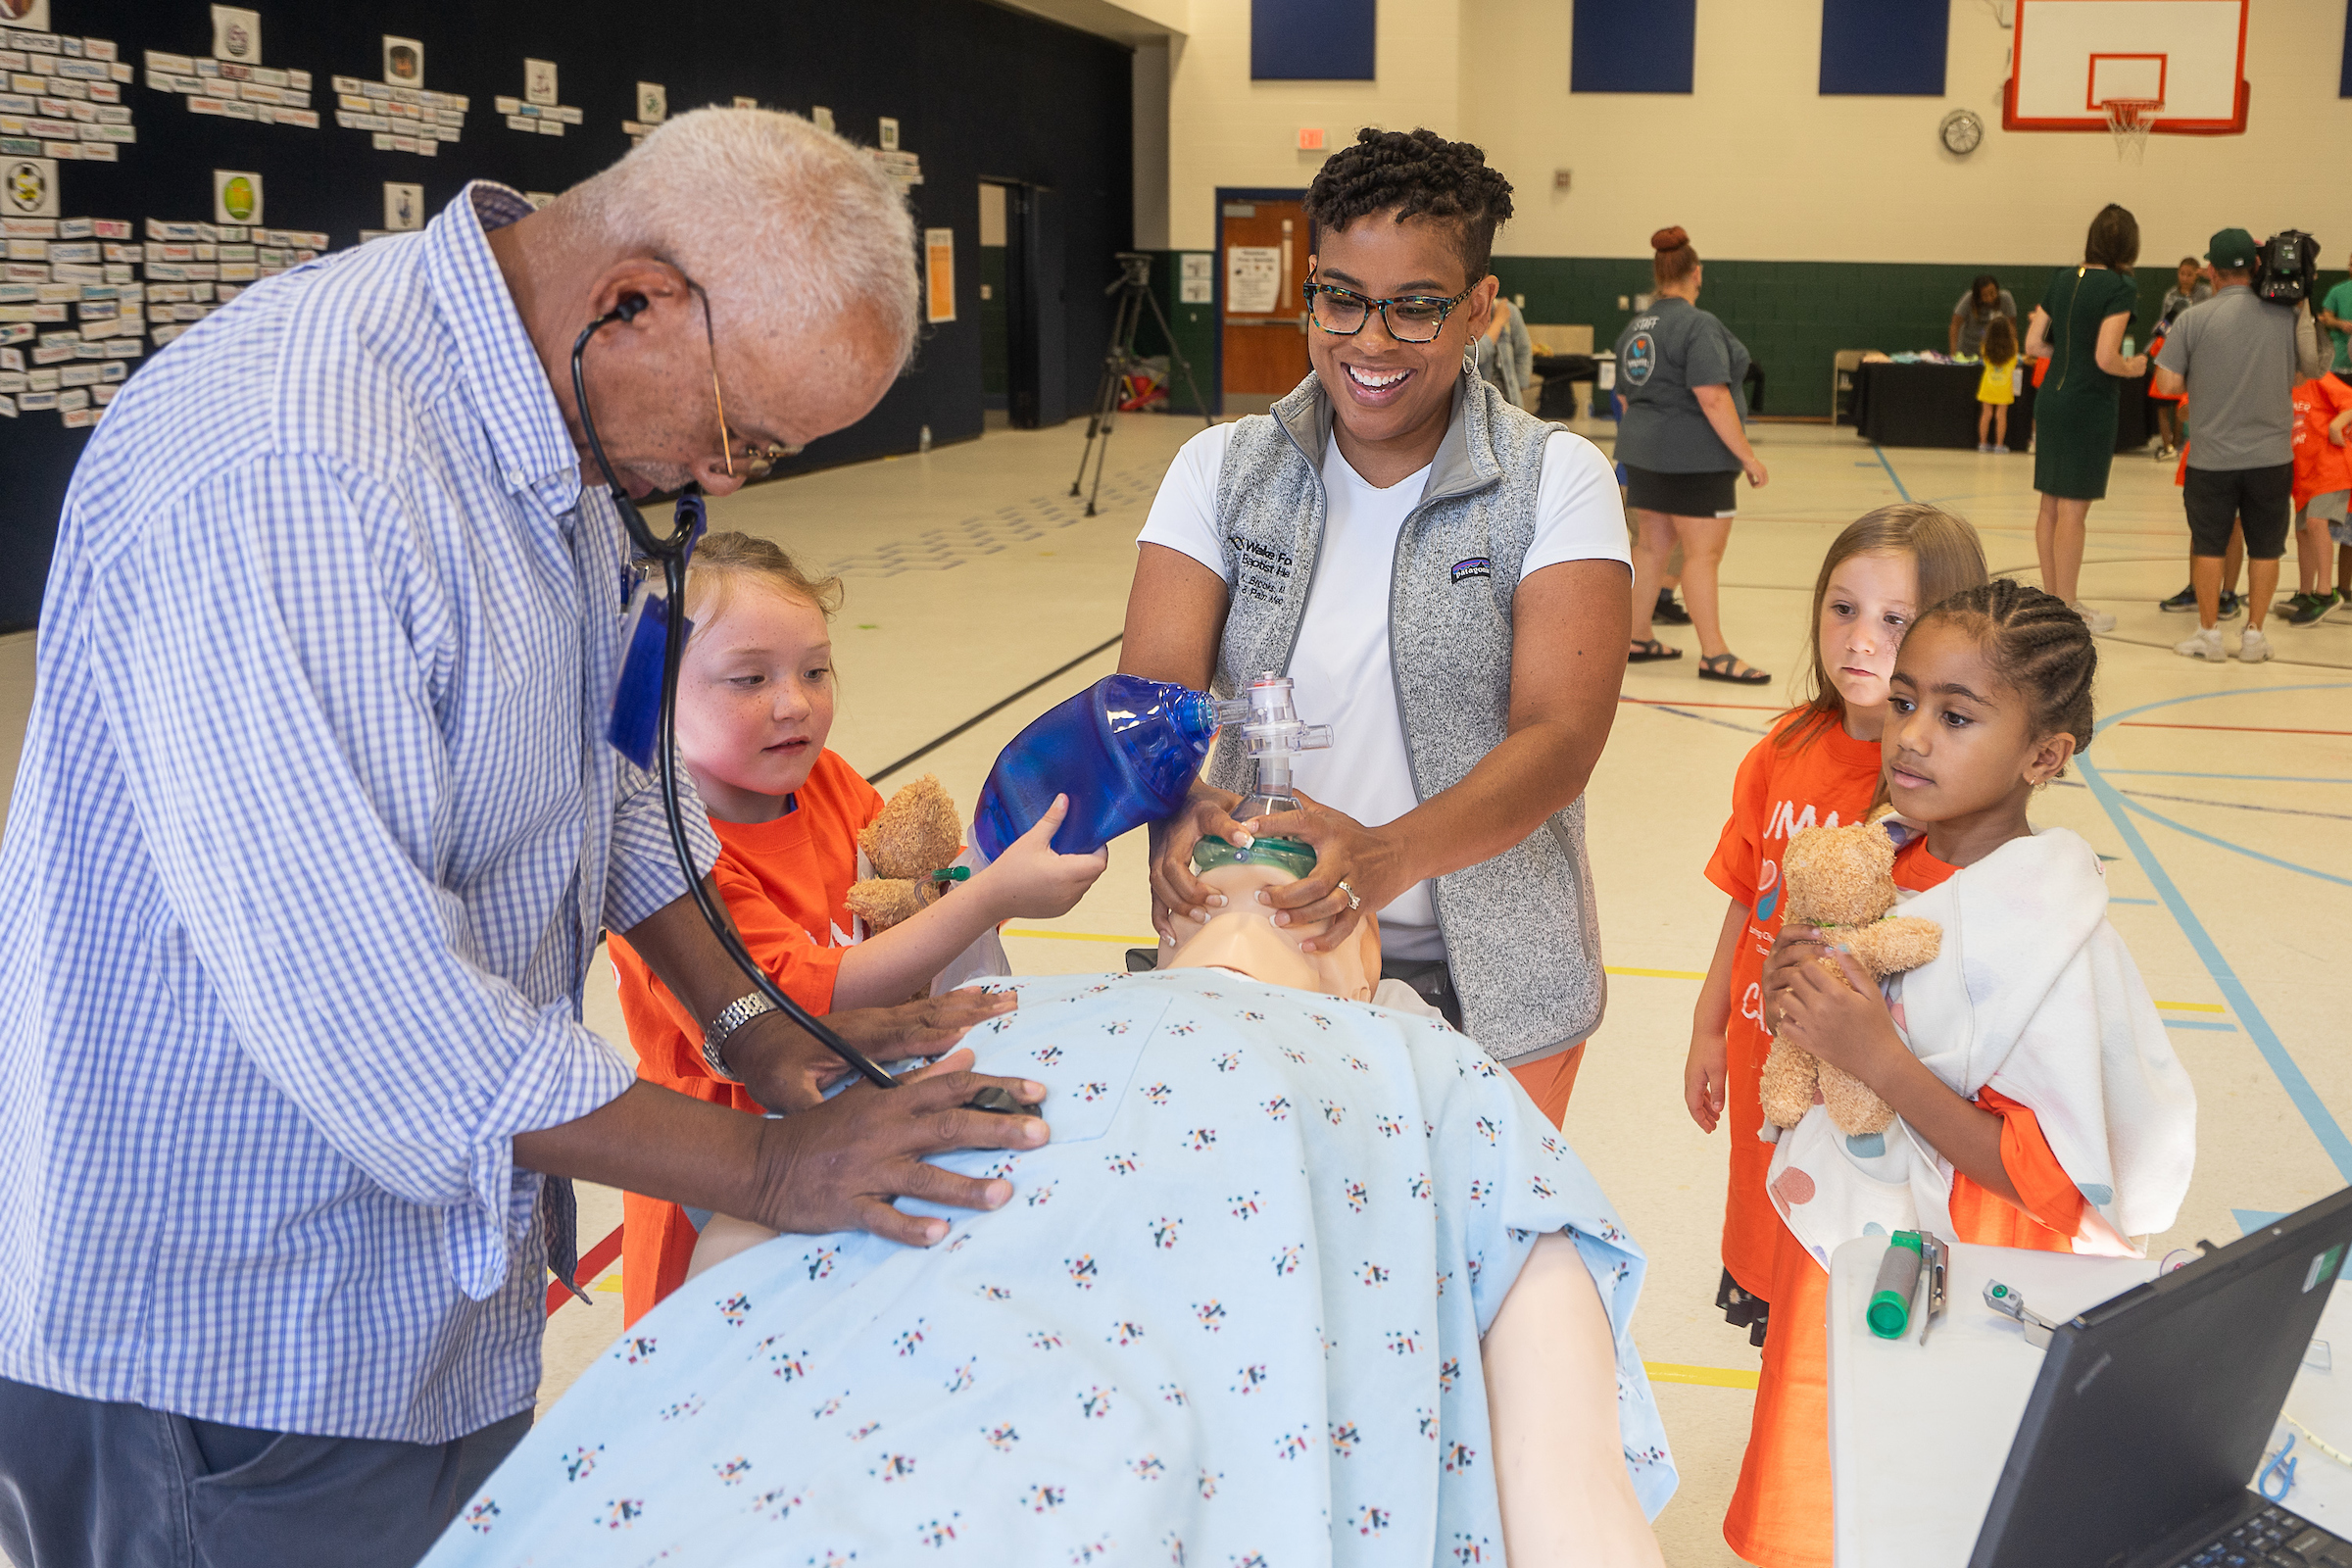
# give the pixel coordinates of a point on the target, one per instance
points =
(1261, 267)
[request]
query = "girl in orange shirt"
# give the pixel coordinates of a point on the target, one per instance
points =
(2039, 1101)
(1820, 764)
(755, 706)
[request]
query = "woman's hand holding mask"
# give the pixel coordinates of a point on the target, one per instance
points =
(1346, 851)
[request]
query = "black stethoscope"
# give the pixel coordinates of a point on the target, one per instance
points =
(673, 550)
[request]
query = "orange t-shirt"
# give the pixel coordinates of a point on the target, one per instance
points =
(783, 883)
(1779, 791)
(2321, 468)
(1780, 1512)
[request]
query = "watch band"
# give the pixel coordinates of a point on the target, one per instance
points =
(733, 1016)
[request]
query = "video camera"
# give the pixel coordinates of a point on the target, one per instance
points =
(2286, 267)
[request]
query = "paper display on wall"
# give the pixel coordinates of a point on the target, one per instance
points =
(939, 274)
(1252, 278)
(1198, 280)
(31, 14)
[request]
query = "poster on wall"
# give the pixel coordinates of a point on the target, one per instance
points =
(236, 196)
(404, 208)
(1252, 278)
(538, 81)
(653, 103)
(939, 274)
(1197, 285)
(237, 35)
(403, 62)
(28, 187)
(32, 15)
(537, 113)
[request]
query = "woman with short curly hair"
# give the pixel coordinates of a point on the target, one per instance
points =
(1445, 577)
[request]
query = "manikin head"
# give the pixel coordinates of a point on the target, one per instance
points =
(1244, 938)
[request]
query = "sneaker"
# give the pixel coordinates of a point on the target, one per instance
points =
(2165, 454)
(2206, 644)
(1987, 446)
(2096, 619)
(1669, 612)
(2184, 599)
(2253, 648)
(2316, 609)
(2231, 607)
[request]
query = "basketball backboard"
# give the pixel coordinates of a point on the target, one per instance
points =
(2073, 58)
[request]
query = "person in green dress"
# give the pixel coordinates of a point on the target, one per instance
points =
(2078, 327)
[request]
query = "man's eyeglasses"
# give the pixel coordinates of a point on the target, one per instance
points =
(758, 461)
(1409, 318)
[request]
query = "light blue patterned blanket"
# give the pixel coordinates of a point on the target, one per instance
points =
(1230, 1317)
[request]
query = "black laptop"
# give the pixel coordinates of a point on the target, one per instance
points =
(2154, 1408)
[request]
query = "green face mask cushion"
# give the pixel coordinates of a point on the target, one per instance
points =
(1292, 855)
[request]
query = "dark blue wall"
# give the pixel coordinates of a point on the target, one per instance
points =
(977, 90)
(1883, 46)
(1632, 45)
(1311, 40)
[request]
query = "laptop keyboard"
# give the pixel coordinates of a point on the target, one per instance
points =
(2272, 1539)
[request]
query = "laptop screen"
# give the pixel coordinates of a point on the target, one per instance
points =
(2154, 1406)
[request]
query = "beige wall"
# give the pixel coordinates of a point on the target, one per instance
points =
(1225, 129)
(1754, 162)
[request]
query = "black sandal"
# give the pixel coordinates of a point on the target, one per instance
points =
(1642, 652)
(1719, 668)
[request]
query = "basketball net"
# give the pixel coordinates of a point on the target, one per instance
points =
(2129, 121)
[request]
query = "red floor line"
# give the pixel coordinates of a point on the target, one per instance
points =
(1670, 701)
(2235, 729)
(591, 1265)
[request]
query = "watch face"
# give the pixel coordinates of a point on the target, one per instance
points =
(1962, 132)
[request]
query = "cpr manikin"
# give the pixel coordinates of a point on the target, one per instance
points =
(1549, 1356)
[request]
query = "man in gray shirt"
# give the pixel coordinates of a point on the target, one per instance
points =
(2239, 357)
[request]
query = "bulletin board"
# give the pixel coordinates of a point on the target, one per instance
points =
(157, 156)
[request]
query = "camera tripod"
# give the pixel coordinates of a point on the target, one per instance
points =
(1134, 291)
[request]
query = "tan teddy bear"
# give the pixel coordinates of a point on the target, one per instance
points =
(917, 834)
(1841, 879)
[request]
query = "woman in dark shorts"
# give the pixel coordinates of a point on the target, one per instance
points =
(2078, 327)
(1683, 451)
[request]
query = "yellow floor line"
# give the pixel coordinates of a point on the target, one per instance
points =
(2192, 1007)
(1713, 1377)
(1659, 974)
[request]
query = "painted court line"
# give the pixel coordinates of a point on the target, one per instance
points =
(1713, 1377)
(2290, 1077)
(1899, 488)
(2247, 778)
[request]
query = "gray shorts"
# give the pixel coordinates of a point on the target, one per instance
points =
(2331, 508)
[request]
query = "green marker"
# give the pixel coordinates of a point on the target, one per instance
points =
(1889, 1310)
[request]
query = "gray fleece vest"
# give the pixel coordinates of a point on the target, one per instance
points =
(1521, 932)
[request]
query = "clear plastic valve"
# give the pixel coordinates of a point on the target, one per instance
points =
(1271, 733)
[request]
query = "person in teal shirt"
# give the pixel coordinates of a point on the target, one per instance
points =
(2335, 318)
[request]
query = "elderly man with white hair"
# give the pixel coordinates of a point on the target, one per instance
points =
(315, 830)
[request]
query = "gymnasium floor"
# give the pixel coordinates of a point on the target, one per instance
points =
(971, 573)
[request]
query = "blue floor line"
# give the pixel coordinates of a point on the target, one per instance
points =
(2200, 697)
(1892, 474)
(2249, 778)
(2250, 1220)
(2305, 1099)
(2131, 901)
(2234, 849)
(2200, 1023)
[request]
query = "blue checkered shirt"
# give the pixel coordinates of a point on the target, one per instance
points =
(311, 838)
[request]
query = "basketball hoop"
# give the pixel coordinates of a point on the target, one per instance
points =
(2129, 121)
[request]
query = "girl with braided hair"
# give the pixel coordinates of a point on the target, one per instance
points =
(2039, 1100)
(1445, 577)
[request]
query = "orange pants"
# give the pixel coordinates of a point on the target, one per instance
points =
(1548, 1082)
(1779, 1513)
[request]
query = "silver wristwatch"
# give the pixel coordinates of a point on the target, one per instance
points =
(742, 1011)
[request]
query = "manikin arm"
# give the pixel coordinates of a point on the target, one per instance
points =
(1551, 1398)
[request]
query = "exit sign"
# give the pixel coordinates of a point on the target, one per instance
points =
(1311, 138)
